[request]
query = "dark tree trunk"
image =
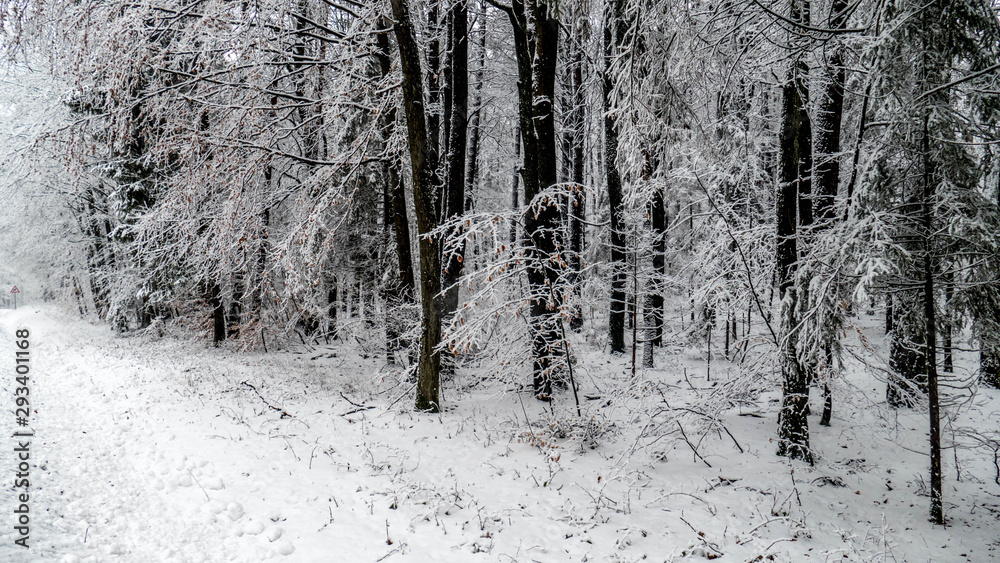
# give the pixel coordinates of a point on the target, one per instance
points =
(541, 224)
(536, 63)
(659, 223)
(515, 184)
(218, 314)
(946, 324)
(795, 159)
(578, 200)
(423, 164)
(828, 130)
(447, 72)
(930, 330)
(472, 159)
(432, 110)
(614, 32)
(458, 128)
(399, 292)
(401, 224)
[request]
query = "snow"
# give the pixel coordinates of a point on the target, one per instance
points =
(151, 449)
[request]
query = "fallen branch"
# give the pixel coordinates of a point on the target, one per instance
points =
(360, 407)
(284, 413)
(693, 448)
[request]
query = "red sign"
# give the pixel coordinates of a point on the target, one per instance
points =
(15, 290)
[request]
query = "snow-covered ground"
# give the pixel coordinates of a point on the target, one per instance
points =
(163, 449)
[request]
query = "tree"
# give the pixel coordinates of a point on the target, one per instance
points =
(423, 164)
(793, 181)
(925, 176)
(455, 157)
(536, 42)
(615, 30)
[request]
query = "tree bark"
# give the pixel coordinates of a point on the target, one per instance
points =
(577, 205)
(930, 331)
(614, 37)
(472, 159)
(515, 184)
(542, 221)
(399, 292)
(458, 134)
(795, 155)
(423, 165)
(828, 131)
(536, 61)
(658, 217)
(218, 314)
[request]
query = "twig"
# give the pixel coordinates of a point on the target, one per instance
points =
(199, 485)
(359, 409)
(569, 365)
(284, 413)
(396, 400)
(534, 439)
(342, 396)
(693, 449)
(759, 526)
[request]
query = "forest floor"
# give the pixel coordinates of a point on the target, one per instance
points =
(151, 448)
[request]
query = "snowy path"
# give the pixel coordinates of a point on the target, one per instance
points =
(117, 465)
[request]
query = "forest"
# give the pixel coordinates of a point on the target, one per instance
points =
(576, 205)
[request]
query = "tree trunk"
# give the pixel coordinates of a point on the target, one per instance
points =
(828, 131)
(614, 32)
(458, 128)
(218, 314)
(930, 331)
(423, 164)
(578, 200)
(946, 325)
(514, 187)
(432, 109)
(659, 223)
(472, 159)
(542, 222)
(795, 148)
(398, 293)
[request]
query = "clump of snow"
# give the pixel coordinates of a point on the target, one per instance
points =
(234, 510)
(284, 547)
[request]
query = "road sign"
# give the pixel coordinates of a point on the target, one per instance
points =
(15, 290)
